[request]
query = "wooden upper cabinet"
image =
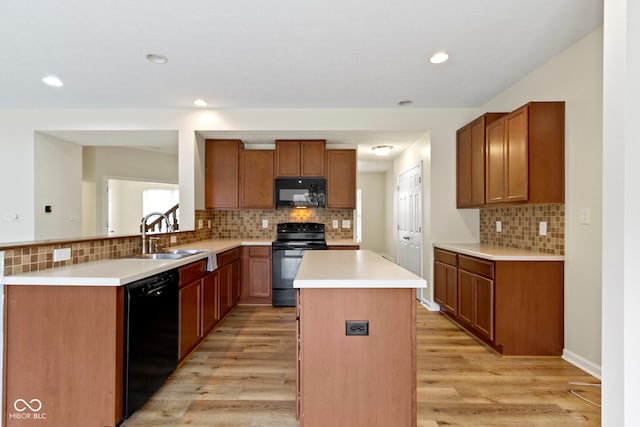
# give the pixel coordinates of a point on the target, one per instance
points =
(470, 161)
(525, 155)
(300, 158)
(256, 179)
(341, 179)
(222, 165)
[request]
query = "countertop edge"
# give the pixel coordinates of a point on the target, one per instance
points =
(463, 248)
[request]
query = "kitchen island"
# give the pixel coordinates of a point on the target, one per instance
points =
(356, 353)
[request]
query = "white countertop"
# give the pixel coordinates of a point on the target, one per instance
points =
(497, 253)
(120, 271)
(352, 269)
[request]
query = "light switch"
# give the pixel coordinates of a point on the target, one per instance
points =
(585, 216)
(543, 228)
(334, 223)
(346, 223)
(265, 223)
(499, 226)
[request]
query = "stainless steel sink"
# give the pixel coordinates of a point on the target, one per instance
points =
(160, 256)
(185, 251)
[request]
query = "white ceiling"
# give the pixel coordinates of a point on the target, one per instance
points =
(279, 54)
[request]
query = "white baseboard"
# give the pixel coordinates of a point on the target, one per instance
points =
(582, 363)
(431, 306)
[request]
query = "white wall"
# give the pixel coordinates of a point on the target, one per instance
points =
(58, 183)
(17, 128)
(575, 76)
(621, 204)
(128, 164)
(373, 199)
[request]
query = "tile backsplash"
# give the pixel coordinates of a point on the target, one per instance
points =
(224, 225)
(520, 225)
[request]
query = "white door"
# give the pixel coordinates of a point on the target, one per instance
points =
(410, 220)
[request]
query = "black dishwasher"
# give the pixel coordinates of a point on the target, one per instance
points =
(151, 337)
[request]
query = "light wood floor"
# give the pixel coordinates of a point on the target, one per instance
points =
(243, 374)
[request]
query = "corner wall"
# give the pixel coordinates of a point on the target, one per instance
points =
(575, 76)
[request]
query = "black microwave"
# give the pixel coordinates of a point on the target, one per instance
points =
(300, 192)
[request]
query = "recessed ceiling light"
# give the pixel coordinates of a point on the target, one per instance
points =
(157, 59)
(439, 57)
(53, 81)
(200, 102)
(405, 102)
(382, 150)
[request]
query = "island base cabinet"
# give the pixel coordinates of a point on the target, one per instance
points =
(63, 366)
(347, 380)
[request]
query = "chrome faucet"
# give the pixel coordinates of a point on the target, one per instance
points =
(144, 228)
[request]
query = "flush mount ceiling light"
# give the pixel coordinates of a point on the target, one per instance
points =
(157, 59)
(439, 57)
(200, 102)
(53, 81)
(382, 150)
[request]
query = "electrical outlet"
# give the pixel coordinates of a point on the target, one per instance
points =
(543, 228)
(334, 223)
(357, 327)
(200, 224)
(346, 223)
(209, 223)
(61, 254)
(498, 226)
(173, 239)
(265, 223)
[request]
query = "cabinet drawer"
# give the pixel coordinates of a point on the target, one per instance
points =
(259, 251)
(229, 256)
(446, 257)
(193, 271)
(475, 265)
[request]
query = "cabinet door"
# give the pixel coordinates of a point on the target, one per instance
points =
(190, 326)
(477, 161)
(256, 179)
(222, 164)
(288, 158)
(235, 283)
(466, 298)
(495, 162)
(516, 156)
(260, 274)
(483, 321)
(445, 287)
(439, 282)
(209, 302)
(224, 289)
(341, 179)
(312, 161)
(463, 167)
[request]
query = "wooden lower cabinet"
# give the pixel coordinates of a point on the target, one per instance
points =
(475, 310)
(256, 275)
(228, 280)
(357, 380)
(210, 309)
(517, 307)
(190, 316)
(445, 273)
(205, 297)
(64, 363)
